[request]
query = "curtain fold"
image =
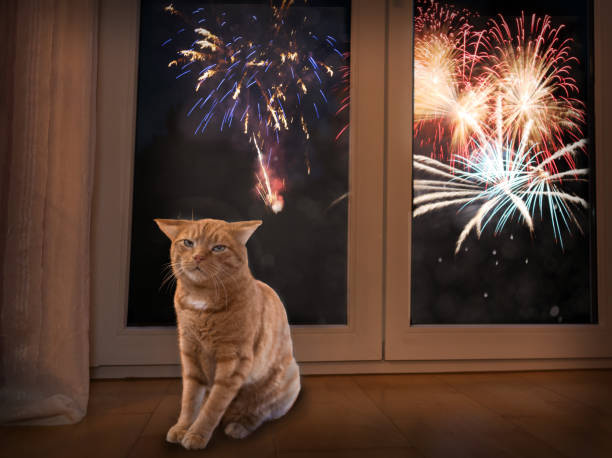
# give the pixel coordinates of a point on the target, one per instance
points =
(48, 112)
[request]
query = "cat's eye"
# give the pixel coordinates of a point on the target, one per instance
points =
(218, 248)
(188, 243)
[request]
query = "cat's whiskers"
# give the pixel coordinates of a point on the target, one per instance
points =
(168, 281)
(216, 283)
(170, 275)
(215, 273)
(210, 274)
(179, 271)
(223, 270)
(227, 274)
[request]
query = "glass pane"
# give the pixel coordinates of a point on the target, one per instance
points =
(243, 114)
(503, 163)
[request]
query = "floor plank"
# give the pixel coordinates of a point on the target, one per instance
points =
(387, 452)
(104, 436)
(332, 412)
(126, 396)
(572, 427)
(442, 422)
(593, 388)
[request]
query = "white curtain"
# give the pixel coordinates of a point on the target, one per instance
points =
(48, 81)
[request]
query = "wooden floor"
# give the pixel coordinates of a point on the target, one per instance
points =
(531, 414)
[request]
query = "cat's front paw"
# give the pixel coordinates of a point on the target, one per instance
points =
(176, 433)
(194, 441)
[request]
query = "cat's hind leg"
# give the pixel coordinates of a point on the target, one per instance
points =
(251, 408)
(236, 430)
(246, 413)
(282, 405)
(242, 416)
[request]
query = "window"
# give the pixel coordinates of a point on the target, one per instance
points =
(380, 333)
(503, 227)
(243, 114)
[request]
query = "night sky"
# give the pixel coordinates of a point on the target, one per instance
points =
(300, 252)
(513, 276)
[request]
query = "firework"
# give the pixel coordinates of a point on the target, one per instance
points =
(448, 97)
(462, 74)
(503, 181)
(267, 75)
(435, 67)
(497, 109)
(531, 66)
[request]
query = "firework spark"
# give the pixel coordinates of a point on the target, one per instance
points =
(434, 18)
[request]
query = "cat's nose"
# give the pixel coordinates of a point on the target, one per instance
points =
(198, 257)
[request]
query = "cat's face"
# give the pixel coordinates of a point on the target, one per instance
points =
(207, 251)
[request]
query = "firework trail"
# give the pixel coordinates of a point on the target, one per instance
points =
(268, 193)
(267, 74)
(344, 93)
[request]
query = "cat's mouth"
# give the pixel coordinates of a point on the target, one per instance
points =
(195, 273)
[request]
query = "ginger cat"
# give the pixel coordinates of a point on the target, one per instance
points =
(236, 351)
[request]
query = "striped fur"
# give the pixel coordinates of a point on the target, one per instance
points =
(237, 358)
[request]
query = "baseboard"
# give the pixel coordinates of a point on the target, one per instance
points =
(152, 371)
(377, 367)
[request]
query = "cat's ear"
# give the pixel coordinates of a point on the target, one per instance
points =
(243, 230)
(171, 227)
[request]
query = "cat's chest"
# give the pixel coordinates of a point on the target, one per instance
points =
(197, 303)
